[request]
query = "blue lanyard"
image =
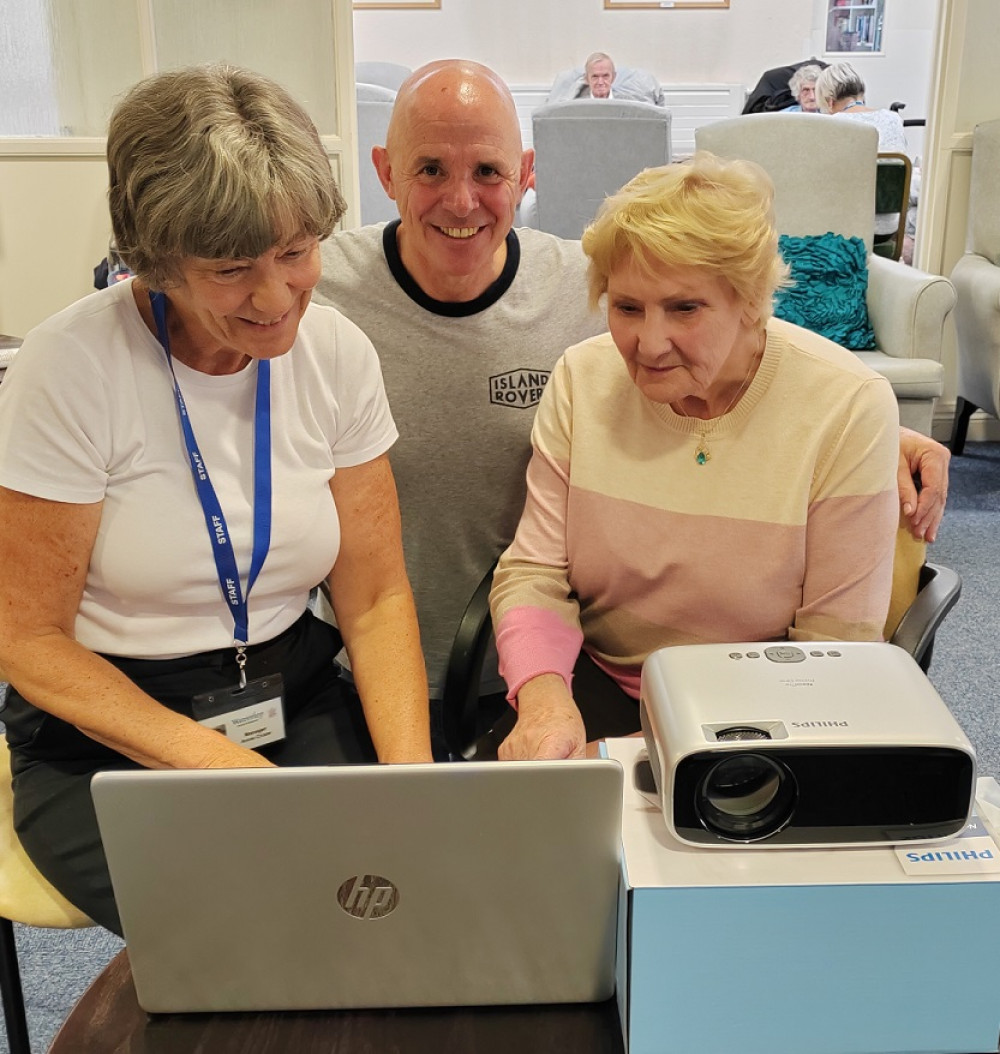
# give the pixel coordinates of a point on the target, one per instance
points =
(215, 521)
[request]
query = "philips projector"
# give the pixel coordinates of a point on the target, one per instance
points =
(802, 745)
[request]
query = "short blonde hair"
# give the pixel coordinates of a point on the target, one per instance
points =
(217, 162)
(713, 215)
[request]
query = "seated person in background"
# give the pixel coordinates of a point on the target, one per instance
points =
(840, 90)
(802, 85)
(772, 91)
(599, 79)
(122, 616)
(701, 473)
(599, 73)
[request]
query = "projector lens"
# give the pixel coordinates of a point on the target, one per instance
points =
(746, 797)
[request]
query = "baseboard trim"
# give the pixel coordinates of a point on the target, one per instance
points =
(982, 427)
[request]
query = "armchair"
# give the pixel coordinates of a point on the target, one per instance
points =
(824, 178)
(387, 74)
(588, 148)
(976, 277)
(892, 197)
(375, 104)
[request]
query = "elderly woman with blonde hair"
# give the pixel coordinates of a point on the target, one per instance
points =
(183, 457)
(701, 473)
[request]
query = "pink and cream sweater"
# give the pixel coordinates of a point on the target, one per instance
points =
(627, 544)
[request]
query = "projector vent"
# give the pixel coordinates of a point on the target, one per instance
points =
(731, 735)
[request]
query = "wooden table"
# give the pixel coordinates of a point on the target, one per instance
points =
(108, 1020)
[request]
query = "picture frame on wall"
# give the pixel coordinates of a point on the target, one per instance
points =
(401, 5)
(854, 27)
(664, 4)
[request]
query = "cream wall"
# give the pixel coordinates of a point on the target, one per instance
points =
(969, 42)
(53, 230)
(51, 207)
(53, 212)
(529, 41)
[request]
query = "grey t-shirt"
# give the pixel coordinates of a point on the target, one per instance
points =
(463, 380)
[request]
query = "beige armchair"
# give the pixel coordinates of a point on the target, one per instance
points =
(823, 171)
(976, 277)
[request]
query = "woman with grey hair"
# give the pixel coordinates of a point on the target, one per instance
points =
(183, 457)
(802, 85)
(840, 90)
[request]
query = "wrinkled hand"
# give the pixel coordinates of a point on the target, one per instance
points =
(549, 726)
(920, 455)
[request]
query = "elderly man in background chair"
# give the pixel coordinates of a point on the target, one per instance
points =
(599, 73)
(468, 318)
(601, 79)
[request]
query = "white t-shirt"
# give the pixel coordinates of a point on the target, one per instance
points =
(89, 415)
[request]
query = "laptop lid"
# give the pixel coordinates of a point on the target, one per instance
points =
(366, 886)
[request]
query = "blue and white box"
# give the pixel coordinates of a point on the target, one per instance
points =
(879, 950)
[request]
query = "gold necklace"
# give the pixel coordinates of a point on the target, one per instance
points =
(702, 452)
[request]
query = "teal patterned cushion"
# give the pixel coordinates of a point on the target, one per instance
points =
(830, 273)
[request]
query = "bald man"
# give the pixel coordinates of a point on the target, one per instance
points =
(468, 317)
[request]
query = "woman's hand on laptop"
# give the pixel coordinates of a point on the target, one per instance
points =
(549, 726)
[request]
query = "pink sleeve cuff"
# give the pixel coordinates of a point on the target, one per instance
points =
(532, 641)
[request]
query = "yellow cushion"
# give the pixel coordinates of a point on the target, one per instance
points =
(906, 565)
(24, 895)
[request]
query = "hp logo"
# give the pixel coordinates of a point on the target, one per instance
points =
(368, 896)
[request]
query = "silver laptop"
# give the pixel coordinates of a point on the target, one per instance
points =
(366, 886)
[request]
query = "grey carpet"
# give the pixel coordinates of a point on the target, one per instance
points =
(966, 665)
(56, 968)
(58, 965)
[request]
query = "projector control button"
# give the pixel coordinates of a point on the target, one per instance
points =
(835, 654)
(736, 655)
(817, 654)
(753, 654)
(785, 653)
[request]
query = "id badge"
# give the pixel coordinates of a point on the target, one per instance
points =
(252, 716)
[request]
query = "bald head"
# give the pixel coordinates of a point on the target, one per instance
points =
(454, 90)
(454, 165)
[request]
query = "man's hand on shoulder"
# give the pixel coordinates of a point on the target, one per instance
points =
(923, 457)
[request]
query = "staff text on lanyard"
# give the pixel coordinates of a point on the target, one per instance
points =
(215, 520)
